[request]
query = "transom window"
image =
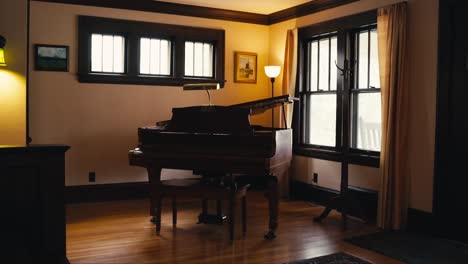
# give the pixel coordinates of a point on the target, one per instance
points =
(131, 52)
(107, 53)
(155, 56)
(199, 59)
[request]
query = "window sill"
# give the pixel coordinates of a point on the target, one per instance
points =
(141, 79)
(363, 159)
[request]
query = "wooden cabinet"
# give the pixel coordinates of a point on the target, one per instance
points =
(33, 184)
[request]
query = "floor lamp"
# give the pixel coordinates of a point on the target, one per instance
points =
(272, 72)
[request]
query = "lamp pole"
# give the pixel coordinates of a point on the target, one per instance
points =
(272, 109)
(272, 72)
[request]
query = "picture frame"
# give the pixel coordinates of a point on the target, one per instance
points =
(245, 67)
(51, 57)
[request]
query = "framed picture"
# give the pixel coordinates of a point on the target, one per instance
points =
(245, 67)
(51, 58)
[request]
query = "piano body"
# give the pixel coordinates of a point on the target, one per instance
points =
(219, 138)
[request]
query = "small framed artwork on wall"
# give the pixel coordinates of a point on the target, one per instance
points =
(245, 67)
(51, 58)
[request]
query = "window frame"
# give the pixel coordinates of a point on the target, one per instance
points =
(356, 90)
(304, 91)
(132, 31)
(342, 152)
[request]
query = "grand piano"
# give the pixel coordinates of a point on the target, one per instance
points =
(219, 138)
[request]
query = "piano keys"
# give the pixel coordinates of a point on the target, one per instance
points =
(219, 138)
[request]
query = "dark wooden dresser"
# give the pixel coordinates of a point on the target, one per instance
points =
(33, 184)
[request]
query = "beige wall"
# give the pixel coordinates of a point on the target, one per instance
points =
(100, 121)
(13, 77)
(422, 60)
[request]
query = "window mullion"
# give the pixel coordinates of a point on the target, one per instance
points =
(354, 89)
(357, 59)
(318, 65)
(368, 57)
(132, 54)
(102, 52)
(329, 63)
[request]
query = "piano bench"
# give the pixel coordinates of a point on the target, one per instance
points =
(190, 188)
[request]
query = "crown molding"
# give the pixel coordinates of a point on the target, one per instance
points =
(209, 12)
(305, 9)
(171, 8)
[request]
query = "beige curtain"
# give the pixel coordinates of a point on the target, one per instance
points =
(289, 72)
(393, 196)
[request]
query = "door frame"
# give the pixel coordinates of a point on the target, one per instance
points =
(443, 113)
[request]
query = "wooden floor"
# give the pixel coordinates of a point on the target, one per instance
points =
(120, 232)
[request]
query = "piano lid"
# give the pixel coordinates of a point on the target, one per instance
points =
(221, 119)
(260, 106)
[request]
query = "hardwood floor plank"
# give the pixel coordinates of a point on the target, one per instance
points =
(120, 232)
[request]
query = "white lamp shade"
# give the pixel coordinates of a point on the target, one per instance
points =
(272, 71)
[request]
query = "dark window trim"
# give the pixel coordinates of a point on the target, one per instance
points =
(343, 152)
(356, 157)
(133, 31)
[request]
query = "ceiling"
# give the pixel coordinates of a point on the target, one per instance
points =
(254, 6)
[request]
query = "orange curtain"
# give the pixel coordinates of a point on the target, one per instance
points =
(289, 72)
(393, 195)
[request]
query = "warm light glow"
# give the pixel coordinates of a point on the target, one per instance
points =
(12, 108)
(272, 71)
(2, 57)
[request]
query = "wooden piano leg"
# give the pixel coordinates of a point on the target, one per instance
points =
(273, 205)
(154, 178)
(158, 215)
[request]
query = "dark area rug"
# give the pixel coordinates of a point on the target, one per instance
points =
(337, 258)
(414, 248)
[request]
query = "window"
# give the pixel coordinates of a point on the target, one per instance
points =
(320, 94)
(198, 59)
(339, 90)
(365, 94)
(130, 52)
(155, 56)
(107, 53)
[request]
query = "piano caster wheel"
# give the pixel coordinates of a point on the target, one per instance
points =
(153, 219)
(270, 235)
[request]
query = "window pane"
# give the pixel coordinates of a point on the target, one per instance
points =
(155, 58)
(333, 60)
(322, 120)
(108, 53)
(96, 52)
(144, 55)
(314, 66)
(374, 61)
(363, 59)
(324, 64)
(119, 54)
(165, 57)
(198, 67)
(369, 121)
(189, 58)
(199, 58)
(207, 60)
